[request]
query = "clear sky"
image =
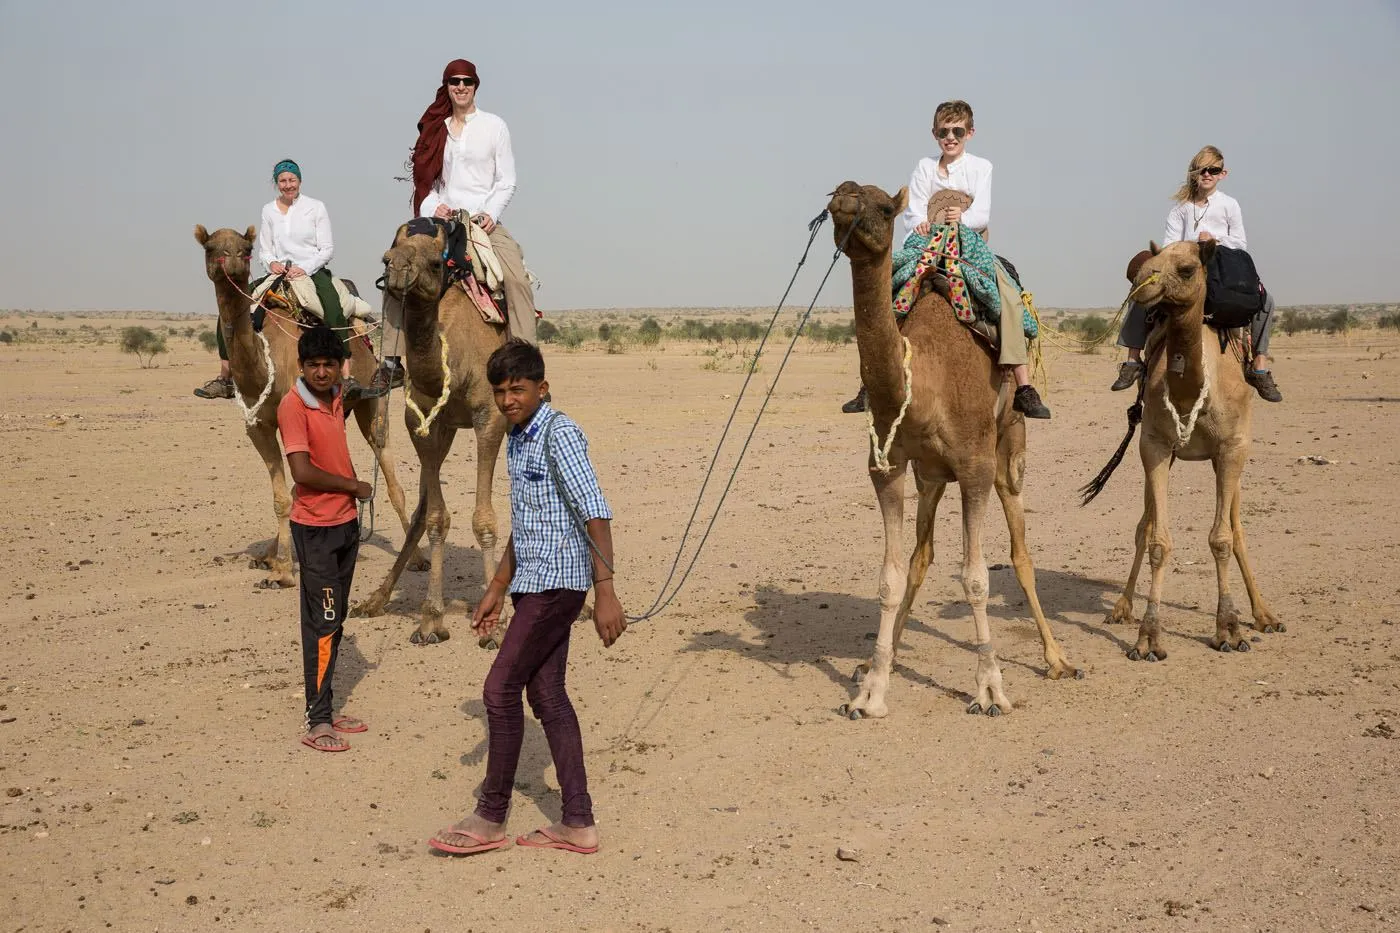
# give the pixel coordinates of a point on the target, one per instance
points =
(671, 154)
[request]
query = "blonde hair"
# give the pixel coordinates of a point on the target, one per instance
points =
(1208, 156)
(951, 111)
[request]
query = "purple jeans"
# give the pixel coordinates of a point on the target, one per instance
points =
(532, 658)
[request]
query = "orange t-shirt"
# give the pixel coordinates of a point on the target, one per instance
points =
(309, 427)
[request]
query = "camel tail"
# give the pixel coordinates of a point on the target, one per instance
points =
(1090, 490)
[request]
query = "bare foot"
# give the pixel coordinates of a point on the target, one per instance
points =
(581, 839)
(470, 834)
(323, 738)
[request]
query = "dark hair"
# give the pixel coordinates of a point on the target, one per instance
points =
(320, 343)
(515, 359)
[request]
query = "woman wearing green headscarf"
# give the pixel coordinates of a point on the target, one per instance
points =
(294, 239)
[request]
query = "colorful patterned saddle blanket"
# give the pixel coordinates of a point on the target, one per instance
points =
(969, 265)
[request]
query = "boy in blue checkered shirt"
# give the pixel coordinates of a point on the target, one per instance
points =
(548, 568)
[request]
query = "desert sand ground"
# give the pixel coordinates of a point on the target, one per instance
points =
(150, 696)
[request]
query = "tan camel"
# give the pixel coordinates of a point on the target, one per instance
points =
(959, 427)
(226, 261)
(1196, 406)
(414, 275)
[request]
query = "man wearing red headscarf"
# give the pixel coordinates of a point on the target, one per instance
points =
(463, 162)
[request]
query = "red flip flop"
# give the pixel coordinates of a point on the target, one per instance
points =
(309, 741)
(482, 845)
(362, 727)
(555, 842)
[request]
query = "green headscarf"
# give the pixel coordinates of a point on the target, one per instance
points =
(286, 165)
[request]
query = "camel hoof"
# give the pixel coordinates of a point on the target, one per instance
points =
(1152, 657)
(1078, 673)
(1280, 628)
(488, 643)
(1224, 647)
(274, 583)
(418, 638)
(1242, 647)
(1134, 655)
(847, 711)
(994, 710)
(420, 565)
(974, 708)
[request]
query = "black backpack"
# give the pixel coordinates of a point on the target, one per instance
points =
(1234, 294)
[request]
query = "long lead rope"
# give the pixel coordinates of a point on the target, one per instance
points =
(663, 598)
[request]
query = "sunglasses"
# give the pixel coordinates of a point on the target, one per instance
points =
(463, 82)
(958, 132)
(1211, 170)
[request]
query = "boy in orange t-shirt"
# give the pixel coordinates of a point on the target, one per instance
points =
(325, 524)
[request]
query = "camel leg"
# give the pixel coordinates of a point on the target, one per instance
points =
(1011, 468)
(375, 604)
(1228, 464)
(1156, 464)
(1123, 609)
(278, 558)
(433, 451)
(373, 421)
(889, 491)
(929, 495)
(490, 431)
(990, 698)
(1264, 620)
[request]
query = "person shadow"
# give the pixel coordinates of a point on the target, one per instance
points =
(351, 667)
(535, 767)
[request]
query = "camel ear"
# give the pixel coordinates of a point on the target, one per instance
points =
(846, 187)
(901, 199)
(201, 236)
(1153, 248)
(252, 234)
(1207, 250)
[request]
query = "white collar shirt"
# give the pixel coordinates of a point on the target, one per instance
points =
(302, 236)
(969, 174)
(478, 168)
(1220, 217)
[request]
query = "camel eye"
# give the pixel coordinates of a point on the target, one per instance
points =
(1185, 270)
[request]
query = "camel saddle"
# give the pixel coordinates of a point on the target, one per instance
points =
(471, 264)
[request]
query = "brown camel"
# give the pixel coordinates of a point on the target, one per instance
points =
(959, 427)
(1195, 406)
(458, 398)
(226, 262)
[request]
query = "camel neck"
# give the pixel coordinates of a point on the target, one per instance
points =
(424, 343)
(877, 336)
(244, 355)
(1183, 329)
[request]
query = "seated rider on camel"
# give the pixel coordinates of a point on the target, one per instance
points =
(956, 170)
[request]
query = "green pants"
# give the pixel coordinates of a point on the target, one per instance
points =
(330, 305)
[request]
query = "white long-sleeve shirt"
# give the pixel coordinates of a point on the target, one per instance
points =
(478, 168)
(969, 174)
(302, 236)
(1220, 216)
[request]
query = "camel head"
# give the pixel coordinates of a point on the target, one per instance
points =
(1174, 275)
(226, 248)
(872, 211)
(413, 266)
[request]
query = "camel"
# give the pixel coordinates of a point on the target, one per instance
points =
(432, 314)
(226, 261)
(1196, 405)
(959, 427)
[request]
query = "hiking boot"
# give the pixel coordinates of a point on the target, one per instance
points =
(387, 377)
(216, 388)
(351, 391)
(1128, 373)
(1029, 404)
(858, 404)
(1263, 382)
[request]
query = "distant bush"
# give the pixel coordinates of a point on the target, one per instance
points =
(209, 340)
(649, 333)
(1389, 320)
(143, 342)
(1340, 321)
(6, 337)
(546, 332)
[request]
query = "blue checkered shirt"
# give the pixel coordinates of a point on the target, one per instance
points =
(550, 552)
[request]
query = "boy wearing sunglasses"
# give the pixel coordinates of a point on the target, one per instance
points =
(959, 170)
(1203, 212)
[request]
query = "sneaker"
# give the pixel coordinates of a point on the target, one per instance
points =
(351, 391)
(1128, 373)
(216, 388)
(858, 404)
(387, 377)
(1263, 382)
(1029, 404)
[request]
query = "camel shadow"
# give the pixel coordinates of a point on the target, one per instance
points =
(461, 579)
(535, 761)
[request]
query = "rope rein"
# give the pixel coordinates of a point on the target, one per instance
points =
(425, 422)
(1185, 429)
(880, 453)
(250, 414)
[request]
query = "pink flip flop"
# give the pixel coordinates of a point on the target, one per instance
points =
(336, 725)
(309, 741)
(482, 845)
(555, 842)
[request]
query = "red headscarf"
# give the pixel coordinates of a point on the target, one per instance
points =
(432, 133)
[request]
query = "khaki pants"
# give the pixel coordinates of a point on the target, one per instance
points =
(1013, 334)
(520, 298)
